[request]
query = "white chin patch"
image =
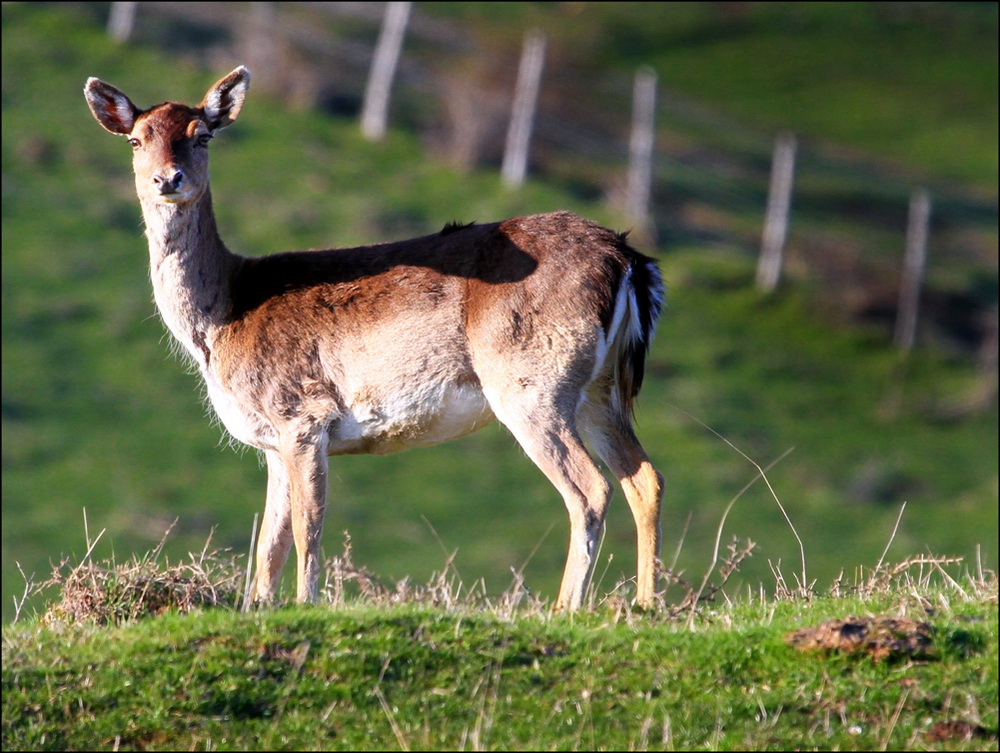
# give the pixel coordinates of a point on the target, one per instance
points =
(174, 198)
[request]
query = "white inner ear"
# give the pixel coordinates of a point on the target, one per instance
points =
(223, 105)
(123, 109)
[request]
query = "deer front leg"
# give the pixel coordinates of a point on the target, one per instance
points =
(275, 539)
(305, 462)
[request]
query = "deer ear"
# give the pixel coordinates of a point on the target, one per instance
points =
(223, 102)
(110, 106)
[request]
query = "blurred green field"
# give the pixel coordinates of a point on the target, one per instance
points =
(98, 418)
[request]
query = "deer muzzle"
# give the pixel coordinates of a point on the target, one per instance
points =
(168, 181)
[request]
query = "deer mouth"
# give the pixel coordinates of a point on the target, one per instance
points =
(173, 195)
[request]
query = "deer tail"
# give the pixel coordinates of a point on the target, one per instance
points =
(642, 293)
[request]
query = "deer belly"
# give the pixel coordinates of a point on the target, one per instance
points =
(409, 419)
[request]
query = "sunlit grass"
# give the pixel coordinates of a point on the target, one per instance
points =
(441, 665)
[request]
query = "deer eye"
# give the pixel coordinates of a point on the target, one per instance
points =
(204, 139)
(134, 143)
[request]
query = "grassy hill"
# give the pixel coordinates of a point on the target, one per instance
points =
(908, 661)
(99, 421)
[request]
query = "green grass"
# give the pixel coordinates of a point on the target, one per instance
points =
(915, 84)
(99, 419)
(368, 675)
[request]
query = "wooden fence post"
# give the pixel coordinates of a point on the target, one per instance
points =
(375, 111)
(779, 201)
(121, 22)
(914, 264)
(641, 143)
(529, 78)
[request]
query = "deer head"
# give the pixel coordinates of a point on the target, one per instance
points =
(169, 141)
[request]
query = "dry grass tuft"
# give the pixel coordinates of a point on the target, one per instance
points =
(444, 589)
(110, 594)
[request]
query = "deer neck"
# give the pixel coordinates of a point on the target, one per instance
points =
(191, 270)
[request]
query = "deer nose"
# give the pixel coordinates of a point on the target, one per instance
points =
(168, 180)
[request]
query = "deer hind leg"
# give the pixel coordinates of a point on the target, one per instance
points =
(275, 539)
(303, 456)
(610, 435)
(549, 437)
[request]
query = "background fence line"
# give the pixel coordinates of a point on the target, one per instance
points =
(309, 64)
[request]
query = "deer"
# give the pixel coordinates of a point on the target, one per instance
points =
(540, 322)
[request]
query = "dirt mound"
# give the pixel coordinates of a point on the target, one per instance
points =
(879, 637)
(962, 731)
